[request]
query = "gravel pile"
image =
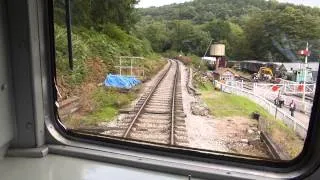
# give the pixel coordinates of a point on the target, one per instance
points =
(199, 109)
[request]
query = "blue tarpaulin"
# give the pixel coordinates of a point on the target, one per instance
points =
(121, 82)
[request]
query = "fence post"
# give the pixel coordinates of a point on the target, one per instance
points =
(285, 88)
(294, 124)
(275, 114)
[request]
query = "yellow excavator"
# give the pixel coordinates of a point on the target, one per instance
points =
(264, 74)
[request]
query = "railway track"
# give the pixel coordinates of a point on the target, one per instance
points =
(158, 115)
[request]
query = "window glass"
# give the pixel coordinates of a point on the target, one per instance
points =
(234, 76)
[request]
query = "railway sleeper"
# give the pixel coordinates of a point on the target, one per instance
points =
(113, 133)
(123, 125)
(157, 111)
(142, 135)
(181, 139)
(146, 126)
(180, 128)
(180, 114)
(179, 123)
(164, 104)
(142, 99)
(181, 133)
(149, 139)
(160, 98)
(157, 106)
(165, 90)
(155, 116)
(153, 125)
(151, 130)
(153, 121)
(126, 120)
(179, 107)
(179, 118)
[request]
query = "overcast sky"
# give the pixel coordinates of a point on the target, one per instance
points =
(149, 3)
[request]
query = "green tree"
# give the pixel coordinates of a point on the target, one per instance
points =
(281, 33)
(95, 14)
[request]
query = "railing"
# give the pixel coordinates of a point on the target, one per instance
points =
(310, 87)
(264, 90)
(299, 128)
(128, 66)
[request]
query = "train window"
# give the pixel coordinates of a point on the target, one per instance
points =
(230, 76)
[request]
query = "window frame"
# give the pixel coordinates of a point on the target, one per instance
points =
(67, 142)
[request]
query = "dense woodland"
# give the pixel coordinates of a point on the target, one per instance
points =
(251, 29)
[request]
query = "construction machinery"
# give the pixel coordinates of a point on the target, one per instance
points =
(264, 74)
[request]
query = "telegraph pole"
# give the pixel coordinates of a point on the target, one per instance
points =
(305, 77)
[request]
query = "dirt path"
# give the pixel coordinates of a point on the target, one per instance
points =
(201, 130)
(237, 135)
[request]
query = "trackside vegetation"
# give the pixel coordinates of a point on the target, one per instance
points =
(226, 106)
(104, 30)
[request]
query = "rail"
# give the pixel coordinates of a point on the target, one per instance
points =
(150, 95)
(299, 128)
(173, 104)
(146, 101)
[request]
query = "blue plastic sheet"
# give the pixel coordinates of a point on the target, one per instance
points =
(121, 82)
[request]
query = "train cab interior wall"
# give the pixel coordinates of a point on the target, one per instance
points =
(34, 145)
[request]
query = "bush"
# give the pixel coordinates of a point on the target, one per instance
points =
(87, 43)
(184, 59)
(198, 63)
(170, 54)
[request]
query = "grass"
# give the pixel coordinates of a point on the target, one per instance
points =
(107, 103)
(224, 105)
(105, 114)
(285, 137)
